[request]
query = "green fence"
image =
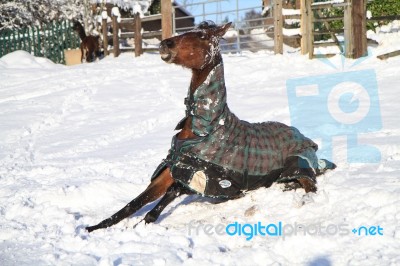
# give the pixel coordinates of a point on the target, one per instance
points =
(49, 40)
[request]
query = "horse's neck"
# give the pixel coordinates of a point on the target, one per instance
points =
(211, 88)
(82, 33)
(198, 78)
(200, 75)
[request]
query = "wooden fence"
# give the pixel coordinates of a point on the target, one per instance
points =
(309, 15)
(353, 18)
(353, 45)
(282, 34)
(127, 28)
(48, 40)
(354, 30)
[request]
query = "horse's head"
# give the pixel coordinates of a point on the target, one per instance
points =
(77, 26)
(195, 49)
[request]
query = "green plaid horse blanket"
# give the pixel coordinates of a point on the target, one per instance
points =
(229, 155)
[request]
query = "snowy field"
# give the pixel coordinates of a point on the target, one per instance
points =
(78, 143)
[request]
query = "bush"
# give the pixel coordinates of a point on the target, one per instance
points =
(378, 8)
(17, 14)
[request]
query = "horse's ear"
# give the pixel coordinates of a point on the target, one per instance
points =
(221, 30)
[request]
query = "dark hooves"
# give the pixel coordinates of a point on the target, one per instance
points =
(91, 228)
(150, 218)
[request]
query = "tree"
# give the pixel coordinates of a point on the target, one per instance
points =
(155, 7)
(22, 13)
(252, 19)
(13, 14)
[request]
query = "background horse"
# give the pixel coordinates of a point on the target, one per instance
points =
(89, 44)
(215, 154)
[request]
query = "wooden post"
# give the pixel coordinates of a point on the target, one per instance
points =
(105, 36)
(115, 36)
(298, 4)
(359, 24)
(166, 18)
(304, 26)
(348, 30)
(278, 27)
(328, 28)
(269, 19)
(310, 29)
(138, 35)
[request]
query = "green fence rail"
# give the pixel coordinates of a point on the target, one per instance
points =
(48, 40)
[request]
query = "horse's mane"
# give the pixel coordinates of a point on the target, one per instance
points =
(207, 24)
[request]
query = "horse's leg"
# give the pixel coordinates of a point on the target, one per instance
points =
(307, 184)
(299, 170)
(97, 50)
(88, 55)
(156, 189)
(173, 192)
(82, 51)
(91, 49)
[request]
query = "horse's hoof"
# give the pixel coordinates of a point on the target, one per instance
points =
(150, 218)
(90, 228)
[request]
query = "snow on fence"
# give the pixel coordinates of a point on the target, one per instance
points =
(353, 38)
(47, 40)
(124, 28)
(284, 18)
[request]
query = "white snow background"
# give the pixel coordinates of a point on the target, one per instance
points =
(78, 143)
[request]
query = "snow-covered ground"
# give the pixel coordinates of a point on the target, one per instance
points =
(78, 143)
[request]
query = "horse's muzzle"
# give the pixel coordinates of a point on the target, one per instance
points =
(165, 50)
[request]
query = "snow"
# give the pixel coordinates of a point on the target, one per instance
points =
(291, 32)
(289, 12)
(265, 10)
(329, 2)
(387, 36)
(231, 33)
(78, 143)
(103, 15)
(261, 37)
(135, 6)
(369, 14)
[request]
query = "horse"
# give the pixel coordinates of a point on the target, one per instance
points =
(215, 154)
(89, 44)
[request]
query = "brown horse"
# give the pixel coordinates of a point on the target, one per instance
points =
(215, 154)
(89, 44)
